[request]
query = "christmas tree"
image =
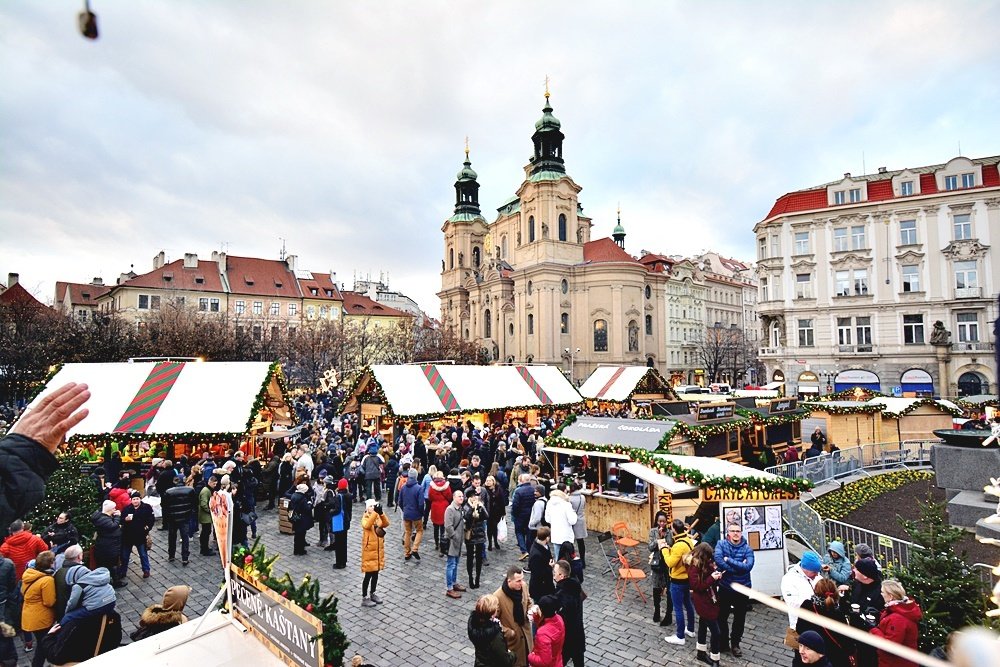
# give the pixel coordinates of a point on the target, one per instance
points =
(949, 593)
(68, 490)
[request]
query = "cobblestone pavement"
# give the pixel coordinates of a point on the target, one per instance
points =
(418, 626)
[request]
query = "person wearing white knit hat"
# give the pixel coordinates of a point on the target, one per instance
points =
(108, 546)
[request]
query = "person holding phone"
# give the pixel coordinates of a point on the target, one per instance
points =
(373, 525)
(476, 516)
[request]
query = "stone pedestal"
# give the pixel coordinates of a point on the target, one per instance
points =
(963, 472)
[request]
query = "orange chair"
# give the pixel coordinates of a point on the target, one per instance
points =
(626, 573)
(627, 543)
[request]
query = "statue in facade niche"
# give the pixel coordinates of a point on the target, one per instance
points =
(940, 335)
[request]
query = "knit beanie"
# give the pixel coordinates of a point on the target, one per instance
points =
(810, 561)
(811, 639)
(867, 567)
(342, 484)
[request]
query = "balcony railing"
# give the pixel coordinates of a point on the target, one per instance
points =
(974, 346)
(968, 292)
(769, 351)
(856, 349)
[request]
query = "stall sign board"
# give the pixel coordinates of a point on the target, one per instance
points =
(640, 433)
(720, 495)
(712, 411)
(761, 525)
(285, 629)
(780, 405)
(665, 504)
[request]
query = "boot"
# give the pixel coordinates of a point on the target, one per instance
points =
(714, 658)
(656, 605)
(479, 571)
(702, 653)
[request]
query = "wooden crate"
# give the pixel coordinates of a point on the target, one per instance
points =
(284, 525)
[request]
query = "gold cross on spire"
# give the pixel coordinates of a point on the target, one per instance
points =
(619, 212)
(466, 147)
(546, 87)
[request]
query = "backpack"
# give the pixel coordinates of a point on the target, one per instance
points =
(321, 506)
(334, 506)
(352, 470)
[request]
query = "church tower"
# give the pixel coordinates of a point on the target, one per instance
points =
(619, 232)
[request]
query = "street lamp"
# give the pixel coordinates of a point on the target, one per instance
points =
(572, 355)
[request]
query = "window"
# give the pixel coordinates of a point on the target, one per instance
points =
(763, 289)
(510, 329)
(213, 305)
(311, 312)
(649, 325)
(843, 282)
(907, 232)
(562, 227)
(951, 182)
(913, 329)
(962, 224)
(476, 254)
(855, 195)
(968, 328)
(258, 307)
(531, 228)
(840, 197)
(858, 238)
(324, 312)
(293, 309)
(503, 246)
(911, 278)
(600, 335)
(968, 180)
(843, 331)
(488, 324)
(564, 323)
(905, 188)
(840, 239)
(861, 281)
(257, 332)
(762, 248)
(564, 286)
(530, 287)
(451, 258)
(531, 324)
(803, 286)
(240, 307)
(863, 329)
(275, 308)
(203, 304)
(801, 243)
(806, 333)
(633, 336)
(775, 245)
(966, 274)
(147, 302)
(649, 292)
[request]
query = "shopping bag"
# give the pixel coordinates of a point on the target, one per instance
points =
(502, 531)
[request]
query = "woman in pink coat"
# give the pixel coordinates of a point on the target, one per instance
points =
(550, 636)
(439, 497)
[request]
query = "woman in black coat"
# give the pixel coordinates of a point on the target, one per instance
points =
(476, 516)
(108, 546)
(300, 509)
(286, 470)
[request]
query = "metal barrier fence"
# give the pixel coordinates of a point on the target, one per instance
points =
(889, 551)
(859, 460)
(807, 523)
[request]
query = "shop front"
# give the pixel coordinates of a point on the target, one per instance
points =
(808, 386)
(857, 377)
(916, 383)
(776, 425)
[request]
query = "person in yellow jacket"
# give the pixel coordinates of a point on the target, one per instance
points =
(38, 587)
(373, 522)
(680, 593)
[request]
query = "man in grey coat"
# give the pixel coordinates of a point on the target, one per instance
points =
(454, 535)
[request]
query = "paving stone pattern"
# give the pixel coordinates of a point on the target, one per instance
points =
(418, 626)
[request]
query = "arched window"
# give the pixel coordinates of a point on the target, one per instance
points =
(971, 384)
(487, 325)
(503, 247)
(510, 329)
(649, 292)
(600, 335)
(562, 227)
(530, 287)
(564, 286)
(633, 336)
(531, 228)
(475, 257)
(531, 324)
(564, 323)
(649, 325)
(451, 258)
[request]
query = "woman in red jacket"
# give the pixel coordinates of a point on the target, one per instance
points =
(550, 636)
(439, 497)
(703, 579)
(898, 623)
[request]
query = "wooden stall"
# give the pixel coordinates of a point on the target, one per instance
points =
(386, 395)
(629, 389)
(849, 423)
(167, 409)
(914, 418)
(713, 429)
(775, 424)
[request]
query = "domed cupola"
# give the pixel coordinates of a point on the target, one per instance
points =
(548, 138)
(467, 188)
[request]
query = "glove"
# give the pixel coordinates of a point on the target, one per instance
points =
(378, 508)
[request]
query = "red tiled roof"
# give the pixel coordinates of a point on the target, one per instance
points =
(175, 276)
(656, 263)
(80, 294)
(991, 177)
(260, 277)
(15, 295)
(880, 190)
(324, 286)
(803, 200)
(605, 250)
(359, 304)
(928, 184)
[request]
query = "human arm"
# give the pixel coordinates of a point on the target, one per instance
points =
(742, 561)
(73, 601)
(840, 570)
(672, 555)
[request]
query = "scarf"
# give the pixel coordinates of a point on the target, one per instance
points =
(517, 598)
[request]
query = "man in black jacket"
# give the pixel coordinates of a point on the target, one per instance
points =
(179, 504)
(27, 453)
(540, 565)
(108, 546)
(570, 595)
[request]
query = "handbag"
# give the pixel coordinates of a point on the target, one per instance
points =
(791, 638)
(380, 531)
(149, 541)
(502, 531)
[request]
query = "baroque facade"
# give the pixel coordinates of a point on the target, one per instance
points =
(532, 286)
(883, 280)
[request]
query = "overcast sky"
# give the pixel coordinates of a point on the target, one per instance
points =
(339, 127)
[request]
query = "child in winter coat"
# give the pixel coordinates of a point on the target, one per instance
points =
(91, 593)
(703, 579)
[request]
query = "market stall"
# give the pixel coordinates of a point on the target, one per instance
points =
(777, 423)
(713, 429)
(173, 408)
(914, 418)
(441, 393)
(629, 388)
(849, 423)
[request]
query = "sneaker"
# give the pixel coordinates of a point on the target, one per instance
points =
(689, 633)
(523, 557)
(674, 639)
(376, 599)
(29, 646)
(455, 595)
(416, 556)
(367, 602)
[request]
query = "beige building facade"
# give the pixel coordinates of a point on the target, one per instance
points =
(884, 280)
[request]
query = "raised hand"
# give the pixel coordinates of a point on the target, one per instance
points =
(57, 413)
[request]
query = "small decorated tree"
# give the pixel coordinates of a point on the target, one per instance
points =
(68, 490)
(949, 593)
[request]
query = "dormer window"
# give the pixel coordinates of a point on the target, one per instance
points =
(248, 280)
(840, 197)
(199, 280)
(314, 291)
(854, 194)
(329, 292)
(277, 283)
(168, 276)
(905, 188)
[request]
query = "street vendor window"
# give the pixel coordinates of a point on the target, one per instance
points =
(600, 335)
